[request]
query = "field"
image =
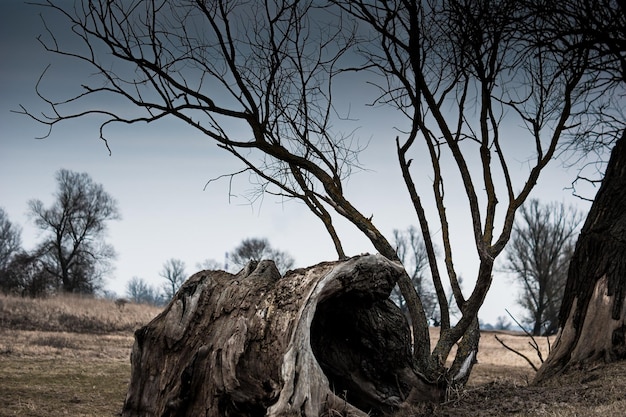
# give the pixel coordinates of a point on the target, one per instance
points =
(70, 356)
(66, 356)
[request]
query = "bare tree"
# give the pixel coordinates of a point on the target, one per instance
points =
(598, 28)
(26, 275)
(462, 72)
(502, 323)
(593, 311)
(412, 253)
(140, 292)
(483, 60)
(10, 240)
(541, 247)
(210, 265)
(21, 272)
(174, 273)
(257, 249)
(74, 250)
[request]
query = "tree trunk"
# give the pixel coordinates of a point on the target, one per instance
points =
(538, 328)
(593, 314)
(317, 341)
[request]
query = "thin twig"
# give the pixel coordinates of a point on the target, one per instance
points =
(516, 352)
(533, 342)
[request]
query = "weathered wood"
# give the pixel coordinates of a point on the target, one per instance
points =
(257, 344)
(593, 313)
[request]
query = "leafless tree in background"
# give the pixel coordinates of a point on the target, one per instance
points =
(464, 73)
(10, 240)
(140, 292)
(411, 251)
(256, 249)
(210, 265)
(74, 250)
(541, 247)
(174, 273)
(26, 275)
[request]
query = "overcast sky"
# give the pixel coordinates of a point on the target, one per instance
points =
(158, 173)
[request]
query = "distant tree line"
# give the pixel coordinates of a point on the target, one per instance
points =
(551, 247)
(72, 256)
(174, 274)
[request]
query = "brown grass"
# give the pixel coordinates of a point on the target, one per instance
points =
(66, 355)
(62, 386)
(70, 356)
(74, 314)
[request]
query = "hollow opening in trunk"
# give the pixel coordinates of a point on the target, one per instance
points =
(363, 347)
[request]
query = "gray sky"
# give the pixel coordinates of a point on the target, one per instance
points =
(157, 173)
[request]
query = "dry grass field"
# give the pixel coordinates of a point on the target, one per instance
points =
(66, 356)
(70, 357)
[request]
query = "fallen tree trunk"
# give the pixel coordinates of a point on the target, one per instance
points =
(317, 340)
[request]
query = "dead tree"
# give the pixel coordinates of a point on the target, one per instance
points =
(593, 313)
(592, 318)
(538, 255)
(258, 79)
(257, 344)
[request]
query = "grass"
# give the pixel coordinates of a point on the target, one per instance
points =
(70, 356)
(66, 355)
(55, 387)
(74, 314)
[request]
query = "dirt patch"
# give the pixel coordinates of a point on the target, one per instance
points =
(595, 391)
(36, 387)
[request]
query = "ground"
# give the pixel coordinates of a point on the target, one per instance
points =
(71, 357)
(598, 391)
(500, 385)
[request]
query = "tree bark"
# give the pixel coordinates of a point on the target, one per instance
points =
(317, 341)
(593, 314)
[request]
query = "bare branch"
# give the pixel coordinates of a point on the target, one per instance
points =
(517, 352)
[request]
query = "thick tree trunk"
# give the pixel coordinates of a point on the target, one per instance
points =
(317, 340)
(593, 313)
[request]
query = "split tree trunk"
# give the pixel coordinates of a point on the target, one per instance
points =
(317, 340)
(593, 313)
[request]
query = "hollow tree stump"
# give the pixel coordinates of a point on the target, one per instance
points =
(320, 339)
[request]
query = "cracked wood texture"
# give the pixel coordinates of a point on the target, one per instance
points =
(593, 312)
(317, 341)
